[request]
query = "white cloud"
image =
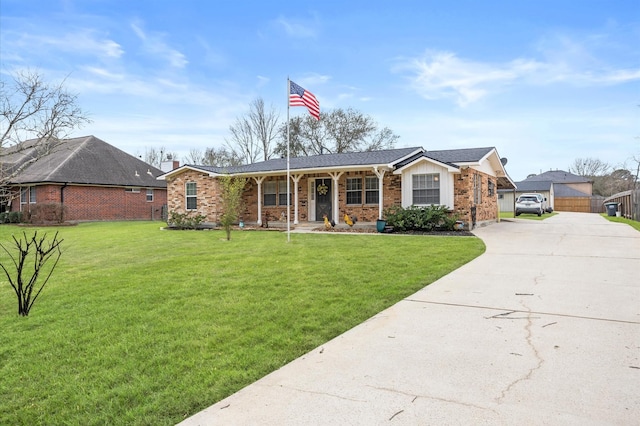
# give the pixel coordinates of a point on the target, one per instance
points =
(154, 44)
(298, 28)
(564, 60)
(86, 42)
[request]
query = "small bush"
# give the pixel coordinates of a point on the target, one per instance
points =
(424, 219)
(47, 213)
(4, 217)
(185, 220)
(15, 217)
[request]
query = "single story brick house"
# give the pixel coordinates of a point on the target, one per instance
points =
(92, 179)
(361, 184)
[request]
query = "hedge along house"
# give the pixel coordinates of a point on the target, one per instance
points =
(360, 184)
(92, 179)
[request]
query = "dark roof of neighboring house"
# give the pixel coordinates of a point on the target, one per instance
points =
(561, 190)
(535, 185)
(558, 176)
(84, 160)
(366, 158)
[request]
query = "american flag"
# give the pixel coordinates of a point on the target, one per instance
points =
(300, 97)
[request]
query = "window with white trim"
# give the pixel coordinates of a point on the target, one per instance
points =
(371, 190)
(269, 194)
(191, 191)
(150, 195)
(426, 189)
(282, 193)
(28, 195)
(354, 190)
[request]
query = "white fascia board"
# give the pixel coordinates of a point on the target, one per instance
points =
(417, 151)
(316, 170)
(184, 168)
(449, 168)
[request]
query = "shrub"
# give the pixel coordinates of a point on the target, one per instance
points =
(4, 217)
(424, 219)
(15, 217)
(47, 213)
(185, 220)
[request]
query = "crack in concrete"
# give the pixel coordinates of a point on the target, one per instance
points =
(435, 398)
(320, 393)
(532, 370)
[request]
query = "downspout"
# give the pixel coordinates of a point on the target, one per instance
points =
(62, 201)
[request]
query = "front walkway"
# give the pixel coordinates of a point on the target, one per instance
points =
(542, 329)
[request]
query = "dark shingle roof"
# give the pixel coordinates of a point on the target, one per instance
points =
(542, 185)
(561, 190)
(452, 157)
(85, 160)
(350, 159)
(457, 156)
(558, 176)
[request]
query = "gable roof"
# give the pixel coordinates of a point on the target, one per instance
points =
(349, 160)
(85, 160)
(558, 176)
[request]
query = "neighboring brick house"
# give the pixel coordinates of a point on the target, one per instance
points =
(362, 184)
(90, 178)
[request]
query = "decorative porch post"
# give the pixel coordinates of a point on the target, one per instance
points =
(296, 179)
(336, 200)
(380, 174)
(259, 181)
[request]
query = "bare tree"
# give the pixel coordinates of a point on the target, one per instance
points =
(195, 156)
(28, 265)
(220, 157)
(253, 135)
(589, 167)
(35, 117)
(337, 131)
(155, 157)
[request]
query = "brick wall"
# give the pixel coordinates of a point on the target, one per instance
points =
(208, 197)
(100, 203)
(208, 194)
(487, 209)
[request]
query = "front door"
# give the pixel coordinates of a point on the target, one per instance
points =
(323, 198)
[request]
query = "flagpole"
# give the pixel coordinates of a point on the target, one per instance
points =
(288, 171)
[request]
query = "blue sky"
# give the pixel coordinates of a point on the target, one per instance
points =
(545, 82)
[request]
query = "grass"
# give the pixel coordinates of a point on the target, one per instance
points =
(633, 223)
(509, 215)
(145, 327)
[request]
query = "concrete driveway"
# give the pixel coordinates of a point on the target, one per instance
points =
(542, 329)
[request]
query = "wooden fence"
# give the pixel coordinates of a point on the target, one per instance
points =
(629, 203)
(573, 204)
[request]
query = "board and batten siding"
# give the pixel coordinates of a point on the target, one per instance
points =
(446, 183)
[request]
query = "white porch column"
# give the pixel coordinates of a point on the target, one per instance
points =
(259, 181)
(296, 179)
(380, 174)
(336, 210)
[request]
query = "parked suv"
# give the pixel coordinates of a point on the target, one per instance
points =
(530, 203)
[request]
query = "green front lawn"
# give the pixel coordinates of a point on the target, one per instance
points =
(143, 326)
(633, 223)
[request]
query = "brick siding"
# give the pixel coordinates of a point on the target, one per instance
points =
(86, 203)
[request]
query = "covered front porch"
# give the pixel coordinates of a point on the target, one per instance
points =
(358, 193)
